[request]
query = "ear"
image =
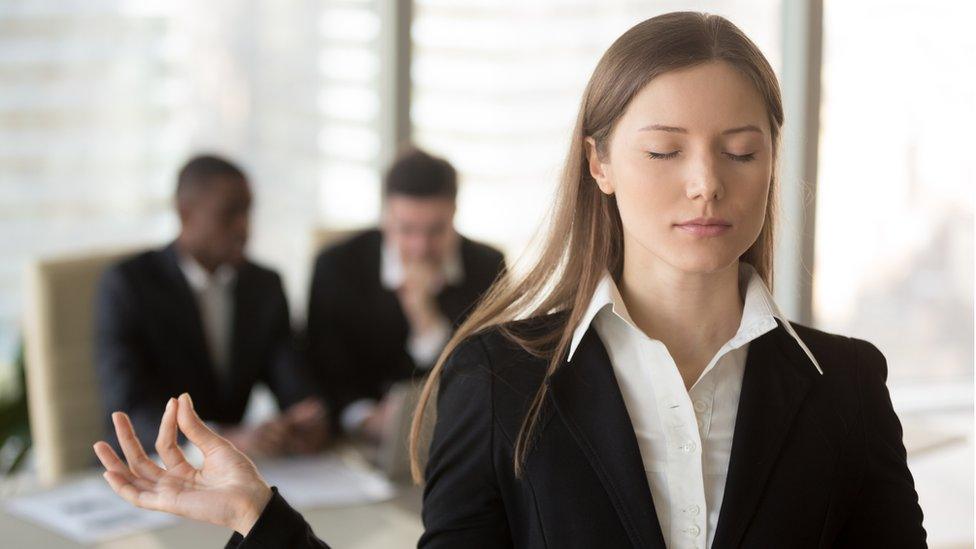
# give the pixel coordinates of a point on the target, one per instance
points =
(599, 170)
(183, 211)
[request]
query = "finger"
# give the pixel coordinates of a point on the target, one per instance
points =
(166, 443)
(191, 424)
(299, 409)
(306, 411)
(275, 429)
(306, 444)
(310, 403)
(312, 432)
(270, 438)
(139, 462)
(110, 460)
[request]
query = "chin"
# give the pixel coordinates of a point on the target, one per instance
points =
(235, 258)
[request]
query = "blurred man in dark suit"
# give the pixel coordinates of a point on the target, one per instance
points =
(198, 316)
(384, 303)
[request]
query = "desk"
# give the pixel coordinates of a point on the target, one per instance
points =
(390, 524)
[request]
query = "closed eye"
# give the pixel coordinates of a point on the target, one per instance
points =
(735, 157)
(741, 157)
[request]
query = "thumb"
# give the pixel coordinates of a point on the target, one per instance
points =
(306, 410)
(194, 428)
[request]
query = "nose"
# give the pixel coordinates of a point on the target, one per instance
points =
(705, 181)
(242, 228)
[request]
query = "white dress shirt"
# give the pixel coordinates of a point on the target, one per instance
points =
(423, 348)
(684, 436)
(214, 295)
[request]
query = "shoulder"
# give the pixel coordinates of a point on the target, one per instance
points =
(260, 274)
(348, 251)
(841, 356)
(497, 356)
(479, 251)
(825, 346)
(134, 269)
(145, 261)
(356, 244)
(491, 375)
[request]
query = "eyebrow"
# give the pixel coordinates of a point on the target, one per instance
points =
(673, 129)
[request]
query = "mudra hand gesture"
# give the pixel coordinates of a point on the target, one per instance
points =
(227, 490)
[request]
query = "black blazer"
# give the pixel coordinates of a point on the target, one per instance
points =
(150, 344)
(357, 332)
(817, 461)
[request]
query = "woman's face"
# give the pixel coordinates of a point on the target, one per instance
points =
(693, 143)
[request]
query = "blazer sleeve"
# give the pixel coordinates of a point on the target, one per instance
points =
(125, 377)
(285, 373)
(886, 511)
(462, 502)
(279, 526)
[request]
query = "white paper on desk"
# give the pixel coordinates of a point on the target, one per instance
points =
(86, 511)
(324, 481)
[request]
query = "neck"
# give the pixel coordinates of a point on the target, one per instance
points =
(185, 247)
(693, 314)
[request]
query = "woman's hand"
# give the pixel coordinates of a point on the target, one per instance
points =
(227, 491)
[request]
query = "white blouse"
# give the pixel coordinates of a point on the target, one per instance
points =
(684, 436)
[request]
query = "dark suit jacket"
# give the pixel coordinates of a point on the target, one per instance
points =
(357, 332)
(150, 344)
(817, 461)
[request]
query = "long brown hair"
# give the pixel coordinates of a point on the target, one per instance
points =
(585, 235)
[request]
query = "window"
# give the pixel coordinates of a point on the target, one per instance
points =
(894, 264)
(104, 100)
(497, 85)
(894, 252)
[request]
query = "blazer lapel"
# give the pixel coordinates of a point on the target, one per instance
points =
(586, 396)
(776, 380)
(243, 336)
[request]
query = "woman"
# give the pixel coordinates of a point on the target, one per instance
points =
(638, 386)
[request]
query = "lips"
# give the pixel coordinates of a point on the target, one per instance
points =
(706, 221)
(705, 228)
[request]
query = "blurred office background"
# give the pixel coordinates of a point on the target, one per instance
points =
(102, 100)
